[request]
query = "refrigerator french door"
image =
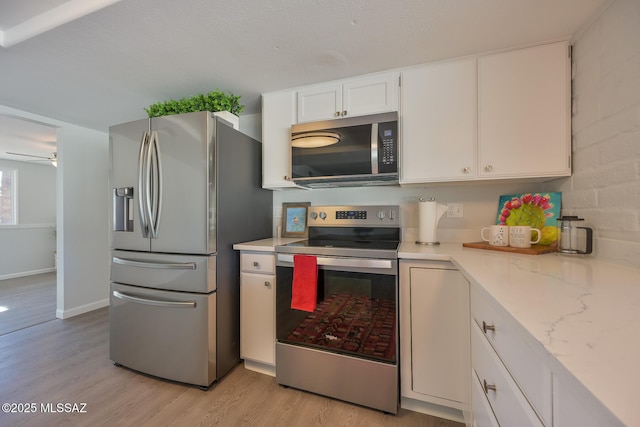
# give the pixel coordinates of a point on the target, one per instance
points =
(184, 189)
(182, 148)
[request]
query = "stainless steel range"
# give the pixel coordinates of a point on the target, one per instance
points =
(346, 346)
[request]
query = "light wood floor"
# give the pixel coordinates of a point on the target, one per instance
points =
(30, 300)
(67, 361)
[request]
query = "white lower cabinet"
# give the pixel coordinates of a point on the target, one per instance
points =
(510, 406)
(514, 381)
(573, 406)
(257, 311)
(529, 372)
(434, 338)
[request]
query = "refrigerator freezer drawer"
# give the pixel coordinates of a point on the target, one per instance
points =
(183, 273)
(171, 335)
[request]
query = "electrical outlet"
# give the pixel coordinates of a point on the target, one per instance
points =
(454, 210)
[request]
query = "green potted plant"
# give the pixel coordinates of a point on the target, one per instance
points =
(218, 102)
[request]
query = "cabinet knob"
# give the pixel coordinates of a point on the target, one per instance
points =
(488, 168)
(344, 113)
(267, 284)
(486, 327)
(466, 169)
(256, 264)
(488, 387)
(337, 114)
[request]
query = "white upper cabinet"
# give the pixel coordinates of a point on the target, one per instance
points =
(524, 122)
(277, 116)
(354, 97)
(438, 122)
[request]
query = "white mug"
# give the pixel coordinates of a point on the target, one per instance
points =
(520, 236)
(498, 235)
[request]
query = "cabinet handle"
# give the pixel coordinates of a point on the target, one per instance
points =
(466, 169)
(488, 168)
(337, 114)
(344, 113)
(256, 264)
(486, 327)
(488, 387)
(286, 178)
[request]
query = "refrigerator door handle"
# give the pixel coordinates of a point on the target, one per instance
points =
(142, 185)
(155, 174)
(157, 265)
(157, 303)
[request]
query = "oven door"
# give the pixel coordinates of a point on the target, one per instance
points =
(356, 313)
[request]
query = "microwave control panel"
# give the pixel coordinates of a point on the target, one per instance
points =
(387, 147)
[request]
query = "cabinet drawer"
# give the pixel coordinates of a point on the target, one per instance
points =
(510, 406)
(529, 372)
(258, 263)
(482, 413)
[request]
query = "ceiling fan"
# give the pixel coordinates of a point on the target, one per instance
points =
(53, 159)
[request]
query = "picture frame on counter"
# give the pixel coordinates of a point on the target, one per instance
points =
(294, 219)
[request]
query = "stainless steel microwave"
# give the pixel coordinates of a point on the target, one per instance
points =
(354, 151)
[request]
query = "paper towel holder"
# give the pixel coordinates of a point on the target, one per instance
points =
(431, 221)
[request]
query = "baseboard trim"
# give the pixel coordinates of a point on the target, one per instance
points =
(65, 314)
(27, 273)
(433, 409)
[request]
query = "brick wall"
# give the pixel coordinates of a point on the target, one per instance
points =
(605, 186)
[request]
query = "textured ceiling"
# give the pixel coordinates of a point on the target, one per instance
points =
(105, 67)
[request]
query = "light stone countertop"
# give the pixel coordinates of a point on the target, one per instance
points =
(581, 315)
(265, 245)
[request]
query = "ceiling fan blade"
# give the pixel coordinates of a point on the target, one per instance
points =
(29, 155)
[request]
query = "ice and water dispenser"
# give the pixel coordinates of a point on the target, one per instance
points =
(123, 209)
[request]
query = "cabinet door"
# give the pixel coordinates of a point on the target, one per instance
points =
(320, 103)
(257, 318)
(372, 95)
(356, 97)
(277, 116)
(440, 333)
(574, 405)
(439, 122)
(524, 113)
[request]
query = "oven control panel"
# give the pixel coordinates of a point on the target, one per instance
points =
(349, 216)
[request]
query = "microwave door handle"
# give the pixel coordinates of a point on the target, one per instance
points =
(374, 149)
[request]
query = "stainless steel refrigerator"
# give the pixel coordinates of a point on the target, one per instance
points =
(184, 189)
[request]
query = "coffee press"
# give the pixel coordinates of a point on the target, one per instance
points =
(569, 238)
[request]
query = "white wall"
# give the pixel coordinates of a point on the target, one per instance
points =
(82, 221)
(27, 247)
(83, 156)
(605, 186)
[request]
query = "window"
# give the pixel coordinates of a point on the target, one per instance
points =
(8, 200)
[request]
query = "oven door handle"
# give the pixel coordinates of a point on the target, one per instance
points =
(345, 262)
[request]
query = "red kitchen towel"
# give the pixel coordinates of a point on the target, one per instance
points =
(304, 290)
